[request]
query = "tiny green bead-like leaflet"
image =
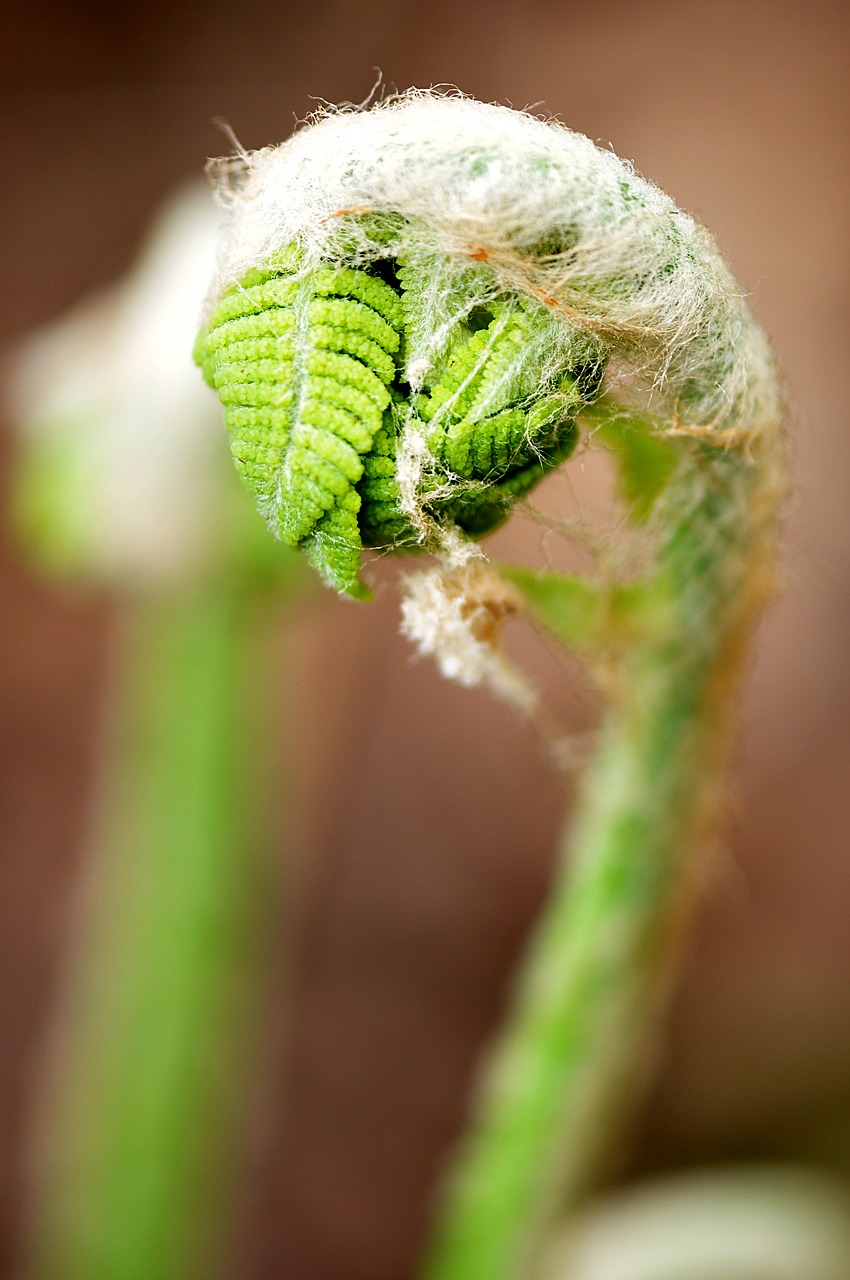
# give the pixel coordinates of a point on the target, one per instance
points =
(310, 366)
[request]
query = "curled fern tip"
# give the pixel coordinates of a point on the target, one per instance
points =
(311, 365)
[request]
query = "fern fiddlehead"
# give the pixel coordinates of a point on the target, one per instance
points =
(309, 366)
(529, 263)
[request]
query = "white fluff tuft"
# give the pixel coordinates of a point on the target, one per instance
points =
(454, 615)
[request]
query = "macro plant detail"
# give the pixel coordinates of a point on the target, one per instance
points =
(418, 309)
(310, 366)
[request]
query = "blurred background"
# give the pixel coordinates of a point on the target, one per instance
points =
(426, 817)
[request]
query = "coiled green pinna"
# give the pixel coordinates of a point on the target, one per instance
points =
(309, 364)
(417, 308)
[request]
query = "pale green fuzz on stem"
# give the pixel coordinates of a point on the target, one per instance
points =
(416, 306)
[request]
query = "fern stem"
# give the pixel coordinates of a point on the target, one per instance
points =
(567, 1063)
(140, 1137)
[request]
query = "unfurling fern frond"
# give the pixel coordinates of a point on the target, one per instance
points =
(519, 258)
(310, 367)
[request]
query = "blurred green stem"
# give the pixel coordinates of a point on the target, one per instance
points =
(140, 1140)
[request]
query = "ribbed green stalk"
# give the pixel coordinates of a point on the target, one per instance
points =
(591, 987)
(140, 1137)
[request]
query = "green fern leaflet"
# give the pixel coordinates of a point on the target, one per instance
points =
(310, 368)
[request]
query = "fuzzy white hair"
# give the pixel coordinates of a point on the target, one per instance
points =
(534, 207)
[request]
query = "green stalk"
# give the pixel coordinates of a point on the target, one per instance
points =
(140, 1136)
(592, 985)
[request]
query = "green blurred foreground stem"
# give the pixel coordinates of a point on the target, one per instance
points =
(141, 1137)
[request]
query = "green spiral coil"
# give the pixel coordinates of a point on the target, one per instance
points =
(310, 366)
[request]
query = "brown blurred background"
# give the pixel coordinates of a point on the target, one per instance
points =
(415, 885)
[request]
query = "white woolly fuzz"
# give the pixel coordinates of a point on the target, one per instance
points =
(495, 199)
(455, 615)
